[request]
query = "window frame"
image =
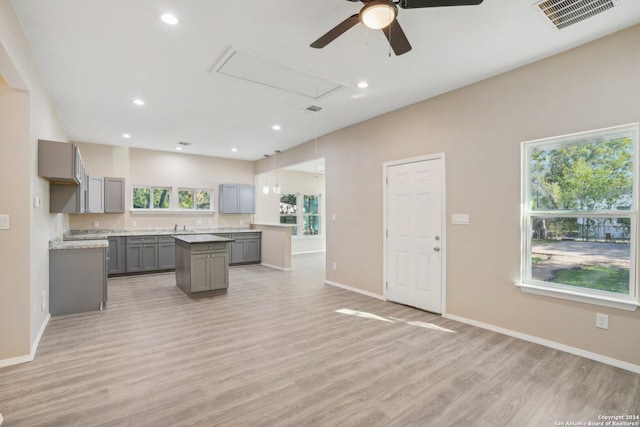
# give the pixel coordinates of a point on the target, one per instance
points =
(527, 283)
(195, 208)
(298, 231)
(152, 189)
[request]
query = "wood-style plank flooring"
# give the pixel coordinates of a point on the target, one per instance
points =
(283, 349)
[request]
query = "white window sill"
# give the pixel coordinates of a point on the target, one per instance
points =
(571, 295)
(170, 212)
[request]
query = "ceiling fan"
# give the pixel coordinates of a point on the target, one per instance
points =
(381, 15)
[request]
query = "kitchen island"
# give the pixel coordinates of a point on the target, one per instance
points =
(202, 264)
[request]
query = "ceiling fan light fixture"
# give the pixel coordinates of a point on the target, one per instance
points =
(378, 14)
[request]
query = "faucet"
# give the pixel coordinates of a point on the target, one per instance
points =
(175, 228)
(184, 228)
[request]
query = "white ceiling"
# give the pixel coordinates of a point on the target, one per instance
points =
(96, 56)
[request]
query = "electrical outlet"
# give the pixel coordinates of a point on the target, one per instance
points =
(333, 218)
(96, 224)
(460, 219)
(198, 222)
(5, 222)
(602, 321)
(335, 265)
(134, 224)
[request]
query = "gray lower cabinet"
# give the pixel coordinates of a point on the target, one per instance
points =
(246, 248)
(77, 280)
(117, 259)
(166, 253)
(142, 253)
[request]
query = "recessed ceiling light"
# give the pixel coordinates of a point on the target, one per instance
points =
(126, 135)
(234, 150)
(179, 148)
(138, 101)
(363, 85)
(276, 127)
(169, 19)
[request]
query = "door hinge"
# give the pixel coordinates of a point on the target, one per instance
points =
(386, 285)
(387, 180)
(387, 232)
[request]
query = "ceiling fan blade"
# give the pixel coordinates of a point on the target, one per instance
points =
(397, 39)
(416, 4)
(336, 32)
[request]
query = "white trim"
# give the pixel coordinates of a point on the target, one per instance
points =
(275, 267)
(588, 298)
(32, 354)
(356, 290)
(171, 211)
(308, 252)
(443, 245)
(551, 344)
(527, 284)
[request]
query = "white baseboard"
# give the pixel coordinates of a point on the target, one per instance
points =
(356, 290)
(275, 267)
(551, 344)
(32, 354)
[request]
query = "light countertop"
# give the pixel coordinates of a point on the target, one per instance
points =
(77, 244)
(104, 234)
(202, 238)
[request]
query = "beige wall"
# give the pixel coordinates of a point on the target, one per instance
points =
(26, 114)
(479, 128)
(268, 206)
(159, 168)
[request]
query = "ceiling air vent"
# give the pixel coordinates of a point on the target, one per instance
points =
(183, 143)
(563, 13)
(313, 109)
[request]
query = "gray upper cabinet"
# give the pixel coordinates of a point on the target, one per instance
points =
(113, 195)
(237, 199)
(60, 162)
(95, 194)
(69, 198)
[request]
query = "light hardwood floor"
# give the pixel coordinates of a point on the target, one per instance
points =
(282, 349)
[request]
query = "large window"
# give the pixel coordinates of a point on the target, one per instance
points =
(151, 197)
(194, 199)
(579, 199)
(303, 211)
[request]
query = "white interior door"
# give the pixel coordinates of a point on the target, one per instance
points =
(414, 233)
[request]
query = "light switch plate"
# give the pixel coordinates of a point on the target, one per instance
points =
(460, 219)
(5, 222)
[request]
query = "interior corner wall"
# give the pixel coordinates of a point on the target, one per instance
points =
(14, 242)
(28, 253)
(480, 128)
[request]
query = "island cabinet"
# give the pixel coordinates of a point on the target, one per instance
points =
(142, 253)
(202, 264)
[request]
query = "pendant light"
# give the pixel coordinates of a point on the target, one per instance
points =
(277, 189)
(265, 187)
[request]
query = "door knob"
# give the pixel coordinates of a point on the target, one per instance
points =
(437, 249)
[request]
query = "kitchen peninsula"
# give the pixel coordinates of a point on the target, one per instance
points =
(202, 264)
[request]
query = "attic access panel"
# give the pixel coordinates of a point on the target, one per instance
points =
(255, 69)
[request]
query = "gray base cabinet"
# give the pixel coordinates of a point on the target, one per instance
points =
(246, 248)
(202, 268)
(166, 253)
(117, 259)
(77, 280)
(142, 253)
